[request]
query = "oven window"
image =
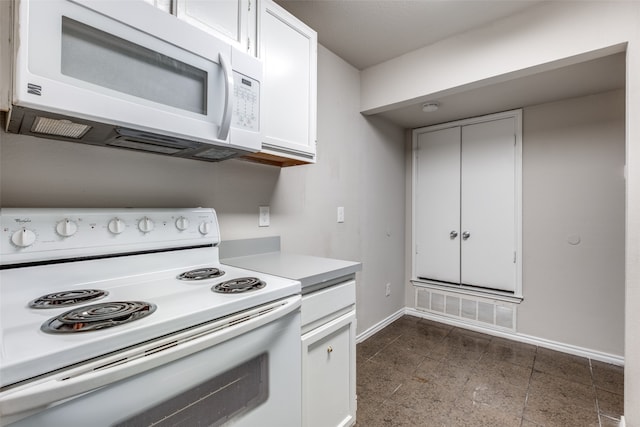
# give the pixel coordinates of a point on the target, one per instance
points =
(108, 61)
(213, 402)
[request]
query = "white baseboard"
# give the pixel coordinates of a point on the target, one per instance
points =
(541, 342)
(380, 325)
(622, 423)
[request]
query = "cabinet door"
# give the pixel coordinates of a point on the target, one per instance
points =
(437, 210)
(488, 204)
(5, 53)
(288, 49)
(231, 20)
(328, 374)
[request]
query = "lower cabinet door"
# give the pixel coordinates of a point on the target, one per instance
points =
(329, 374)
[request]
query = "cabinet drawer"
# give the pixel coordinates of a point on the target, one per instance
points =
(322, 306)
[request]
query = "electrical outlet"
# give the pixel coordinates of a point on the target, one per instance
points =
(387, 289)
(263, 218)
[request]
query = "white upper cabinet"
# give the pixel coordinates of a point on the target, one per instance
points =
(467, 203)
(5, 54)
(288, 49)
(232, 20)
(165, 5)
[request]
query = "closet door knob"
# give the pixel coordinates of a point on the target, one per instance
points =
(465, 235)
(453, 234)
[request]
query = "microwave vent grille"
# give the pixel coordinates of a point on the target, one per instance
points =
(57, 127)
(217, 154)
(145, 146)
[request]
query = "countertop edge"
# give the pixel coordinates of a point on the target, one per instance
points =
(316, 275)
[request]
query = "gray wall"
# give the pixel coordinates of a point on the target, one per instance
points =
(573, 185)
(360, 166)
(45, 173)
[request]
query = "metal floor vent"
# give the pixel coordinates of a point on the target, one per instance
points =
(484, 312)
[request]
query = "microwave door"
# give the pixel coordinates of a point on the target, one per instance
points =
(133, 67)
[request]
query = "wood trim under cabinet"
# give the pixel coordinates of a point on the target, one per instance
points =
(273, 160)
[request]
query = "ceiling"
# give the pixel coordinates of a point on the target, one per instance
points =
(367, 32)
(585, 78)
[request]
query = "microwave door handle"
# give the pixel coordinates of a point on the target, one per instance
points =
(95, 375)
(228, 94)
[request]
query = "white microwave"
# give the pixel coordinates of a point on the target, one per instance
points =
(128, 75)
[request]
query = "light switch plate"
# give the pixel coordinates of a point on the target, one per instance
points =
(340, 213)
(263, 218)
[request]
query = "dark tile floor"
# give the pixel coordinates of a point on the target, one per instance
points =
(416, 372)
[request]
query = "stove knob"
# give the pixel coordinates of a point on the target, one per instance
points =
(66, 228)
(205, 228)
(23, 238)
(182, 223)
(145, 225)
(116, 226)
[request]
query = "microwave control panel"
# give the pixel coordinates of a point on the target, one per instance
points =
(246, 105)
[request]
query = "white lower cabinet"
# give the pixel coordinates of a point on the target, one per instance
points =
(329, 357)
(327, 374)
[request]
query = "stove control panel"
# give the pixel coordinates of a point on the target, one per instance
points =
(32, 235)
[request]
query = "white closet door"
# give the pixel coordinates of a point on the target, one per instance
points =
(438, 205)
(488, 205)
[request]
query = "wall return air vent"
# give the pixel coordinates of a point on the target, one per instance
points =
(479, 311)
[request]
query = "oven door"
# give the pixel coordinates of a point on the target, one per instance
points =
(243, 370)
(128, 65)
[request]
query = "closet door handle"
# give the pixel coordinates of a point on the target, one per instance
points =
(453, 234)
(465, 235)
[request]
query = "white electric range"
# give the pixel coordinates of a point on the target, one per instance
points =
(127, 317)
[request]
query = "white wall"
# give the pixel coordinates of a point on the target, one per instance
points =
(360, 166)
(573, 185)
(546, 36)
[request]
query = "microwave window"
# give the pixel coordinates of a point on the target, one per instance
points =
(100, 58)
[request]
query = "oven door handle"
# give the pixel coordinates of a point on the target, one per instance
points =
(102, 372)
